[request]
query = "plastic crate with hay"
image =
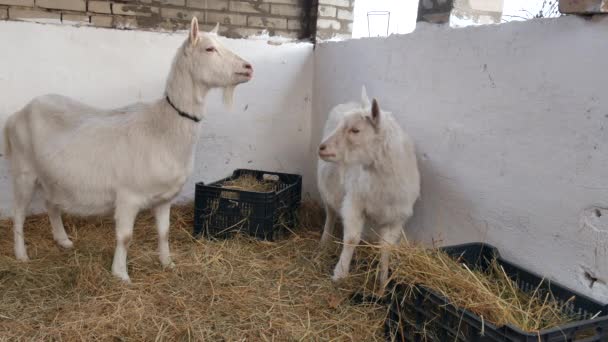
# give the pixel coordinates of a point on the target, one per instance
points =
(258, 203)
(418, 313)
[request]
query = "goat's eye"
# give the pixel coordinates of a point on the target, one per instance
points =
(354, 130)
(210, 49)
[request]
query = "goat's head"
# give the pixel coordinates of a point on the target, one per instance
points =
(354, 139)
(211, 63)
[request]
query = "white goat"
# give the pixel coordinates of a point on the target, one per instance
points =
(368, 174)
(88, 161)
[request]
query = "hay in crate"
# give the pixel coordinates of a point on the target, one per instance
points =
(491, 295)
(246, 182)
(249, 182)
(230, 290)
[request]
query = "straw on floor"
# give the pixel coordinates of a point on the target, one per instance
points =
(228, 289)
(220, 290)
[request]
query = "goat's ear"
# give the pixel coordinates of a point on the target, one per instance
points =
(194, 31)
(364, 99)
(375, 112)
(215, 29)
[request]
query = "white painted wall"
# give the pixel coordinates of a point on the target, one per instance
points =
(268, 127)
(511, 125)
(511, 121)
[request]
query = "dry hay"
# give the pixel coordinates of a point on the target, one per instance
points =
(220, 290)
(249, 183)
(225, 290)
(490, 294)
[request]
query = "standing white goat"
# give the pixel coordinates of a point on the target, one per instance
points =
(88, 161)
(369, 175)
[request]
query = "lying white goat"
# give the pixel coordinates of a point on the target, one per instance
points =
(88, 161)
(369, 175)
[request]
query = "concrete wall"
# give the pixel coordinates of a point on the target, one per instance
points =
(268, 127)
(511, 125)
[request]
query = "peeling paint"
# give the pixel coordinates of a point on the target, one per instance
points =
(595, 219)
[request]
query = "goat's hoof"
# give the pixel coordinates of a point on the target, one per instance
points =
(168, 265)
(338, 276)
(123, 277)
(22, 257)
(67, 243)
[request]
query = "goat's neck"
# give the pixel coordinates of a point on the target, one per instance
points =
(384, 161)
(187, 95)
(181, 132)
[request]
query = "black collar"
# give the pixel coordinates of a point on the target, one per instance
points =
(184, 114)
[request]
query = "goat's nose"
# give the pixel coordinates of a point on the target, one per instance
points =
(322, 147)
(248, 66)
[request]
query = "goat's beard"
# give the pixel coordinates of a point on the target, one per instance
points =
(229, 96)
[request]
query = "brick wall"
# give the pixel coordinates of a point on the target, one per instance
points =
(288, 18)
(334, 18)
(583, 6)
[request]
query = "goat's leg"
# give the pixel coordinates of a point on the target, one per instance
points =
(353, 227)
(390, 236)
(328, 229)
(59, 234)
(162, 213)
(23, 186)
(125, 214)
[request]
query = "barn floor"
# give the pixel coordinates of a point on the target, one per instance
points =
(220, 290)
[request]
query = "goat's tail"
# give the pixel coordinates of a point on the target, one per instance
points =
(7, 141)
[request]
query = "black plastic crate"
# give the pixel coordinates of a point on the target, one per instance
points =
(221, 212)
(423, 315)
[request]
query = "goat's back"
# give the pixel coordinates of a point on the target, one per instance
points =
(81, 156)
(388, 191)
